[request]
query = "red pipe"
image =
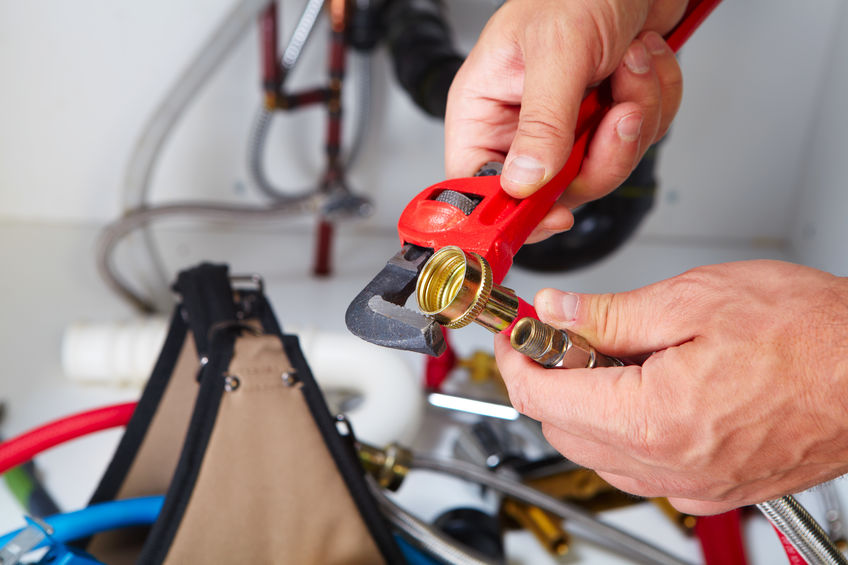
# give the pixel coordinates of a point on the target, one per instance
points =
(271, 72)
(721, 539)
(24, 447)
(323, 250)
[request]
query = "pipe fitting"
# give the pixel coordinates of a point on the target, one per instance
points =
(456, 288)
(551, 347)
(389, 466)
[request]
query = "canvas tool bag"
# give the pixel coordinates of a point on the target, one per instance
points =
(234, 431)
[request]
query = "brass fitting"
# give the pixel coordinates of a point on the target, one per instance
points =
(388, 466)
(551, 347)
(546, 527)
(456, 288)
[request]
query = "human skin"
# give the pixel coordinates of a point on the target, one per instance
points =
(740, 398)
(516, 97)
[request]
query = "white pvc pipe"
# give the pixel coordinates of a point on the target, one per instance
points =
(117, 353)
(387, 381)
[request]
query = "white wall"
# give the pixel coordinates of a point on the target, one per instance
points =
(821, 225)
(81, 78)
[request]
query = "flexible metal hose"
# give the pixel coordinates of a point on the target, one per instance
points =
(264, 117)
(233, 26)
(262, 123)
(802, 531)
(425, 536)
(147, 149)
(605, 534)
(138, 215)
(116, 231)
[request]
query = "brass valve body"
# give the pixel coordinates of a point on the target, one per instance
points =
(456, 288)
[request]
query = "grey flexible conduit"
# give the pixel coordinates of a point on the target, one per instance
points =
(606, 534)
(116, 231)
(802, 531)
(264, 117)
(138, 215)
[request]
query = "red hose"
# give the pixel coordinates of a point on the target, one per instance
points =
(795, 558)
(721, 539)
(24, 447)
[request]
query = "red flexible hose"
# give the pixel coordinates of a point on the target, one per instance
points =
(721, 539)
(24, 447)
(792, 554)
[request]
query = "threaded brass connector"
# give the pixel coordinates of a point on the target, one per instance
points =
(551, 347)
(546, 527)
(456, 288)
(389, 466)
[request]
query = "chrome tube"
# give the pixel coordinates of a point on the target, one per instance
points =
(803, 532)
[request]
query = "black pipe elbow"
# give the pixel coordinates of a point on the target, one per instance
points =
(600, 227)
(422, 50)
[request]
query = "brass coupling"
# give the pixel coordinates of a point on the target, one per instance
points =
(552, 347)
(389, 466)
(545, 527)
(456, 288)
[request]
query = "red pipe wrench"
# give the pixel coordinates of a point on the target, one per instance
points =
(477, 216)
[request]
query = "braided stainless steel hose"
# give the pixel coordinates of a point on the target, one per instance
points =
(262, 123)
(802, 531)
(116, 231)
(590, 527)
(424, 536)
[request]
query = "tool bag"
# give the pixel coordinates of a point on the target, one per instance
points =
(233, 429)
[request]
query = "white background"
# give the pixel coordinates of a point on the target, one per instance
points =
(755, 167)
(756, 153)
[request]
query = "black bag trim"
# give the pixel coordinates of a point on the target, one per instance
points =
(342, 452)
(199, 432)
(136, 429)
(345, 458)
(208, 300)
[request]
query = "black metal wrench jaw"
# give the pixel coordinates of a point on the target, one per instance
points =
(378, 315)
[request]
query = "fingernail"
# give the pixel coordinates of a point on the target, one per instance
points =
(629, 126)
(637, 58)
(567, 308)
(655, 44)
(524, 171)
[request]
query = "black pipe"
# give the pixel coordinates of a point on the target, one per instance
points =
(600, 227)
(421, 45)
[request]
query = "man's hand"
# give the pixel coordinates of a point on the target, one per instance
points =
(517, 96)
(742, 397)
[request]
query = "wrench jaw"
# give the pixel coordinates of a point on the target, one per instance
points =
(378, 315)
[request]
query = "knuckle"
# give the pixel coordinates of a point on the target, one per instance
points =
(617, 171)
(671, 81)
(607, 312)
(544, 126)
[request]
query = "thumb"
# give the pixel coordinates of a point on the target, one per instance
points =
(553, 86)
(630, 323)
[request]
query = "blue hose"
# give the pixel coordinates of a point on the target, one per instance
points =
(100, 517)
(140, 512)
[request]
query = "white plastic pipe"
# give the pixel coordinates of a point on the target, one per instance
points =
(119, 353)
(386, 381)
